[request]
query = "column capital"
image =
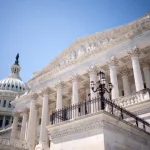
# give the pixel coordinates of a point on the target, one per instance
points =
(112, 61)
(46, 90)
(124, 71)
(59, 84)
(74, 78)
(37, 106)
(134, 52)
(25, 111)
(16, 114)
(145, 63)
(92, 70)
(34, 96)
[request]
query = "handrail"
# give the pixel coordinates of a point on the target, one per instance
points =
(92, 106)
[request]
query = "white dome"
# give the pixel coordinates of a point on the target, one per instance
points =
(13, 84)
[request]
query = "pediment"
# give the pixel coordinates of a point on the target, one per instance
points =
(83, 48)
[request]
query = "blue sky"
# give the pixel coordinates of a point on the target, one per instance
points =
(40, 29)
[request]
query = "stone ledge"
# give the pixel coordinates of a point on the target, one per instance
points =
(94, 121)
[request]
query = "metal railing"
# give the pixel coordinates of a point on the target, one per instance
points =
(92, 106)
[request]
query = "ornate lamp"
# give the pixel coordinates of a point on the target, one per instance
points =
(102, 87)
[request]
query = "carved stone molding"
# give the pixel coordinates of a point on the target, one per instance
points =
(46, 90)
(145, 63)
(59, 85)
(87, 46)
(16, 114)
(134, 52)
(37, 106)
(124, 71)
(92, 70)
(25, 111)
(34, 96)
(113, 61)
(94, 122)
(75, 78)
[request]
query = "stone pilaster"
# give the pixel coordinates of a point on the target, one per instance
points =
(126, 87)
(134, 53)
(113, 63)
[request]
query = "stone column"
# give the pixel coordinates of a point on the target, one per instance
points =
(44, 121)
(37, 106)
(134, 53)
(59, 95)
(24, 121)
(93, 95)
(75, 96)
(113, 77)
(31, 127)
(146, 71)
(14, 126)
(126, 87)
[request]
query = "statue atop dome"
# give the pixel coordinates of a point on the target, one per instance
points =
(17, 59)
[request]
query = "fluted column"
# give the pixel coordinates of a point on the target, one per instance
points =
(44, 120)
(4, 120)
(93, 95)
(146, 71)
(113, 76)
(75, 95)
(134, 53)
(23, 128)
(14, 126)
(126, 87)
(31, 127)
(59, 95)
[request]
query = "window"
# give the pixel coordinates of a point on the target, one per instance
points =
(1, 122)
(4, 104)
(9, 104)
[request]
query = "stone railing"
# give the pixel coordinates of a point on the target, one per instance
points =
(133, 98)
(7, 143)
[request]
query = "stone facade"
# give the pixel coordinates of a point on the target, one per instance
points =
(122, 54)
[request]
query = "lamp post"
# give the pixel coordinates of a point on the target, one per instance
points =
(102, 88)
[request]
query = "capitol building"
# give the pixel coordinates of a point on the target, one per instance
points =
(10, 88)
(93, 95)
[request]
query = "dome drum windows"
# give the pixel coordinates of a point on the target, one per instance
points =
(4, 104)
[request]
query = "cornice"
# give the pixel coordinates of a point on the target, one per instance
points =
(85, 47)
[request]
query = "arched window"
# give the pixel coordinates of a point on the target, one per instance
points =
(4, 104)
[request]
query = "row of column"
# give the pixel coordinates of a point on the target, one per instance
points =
(6, 119)
(75, 98)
